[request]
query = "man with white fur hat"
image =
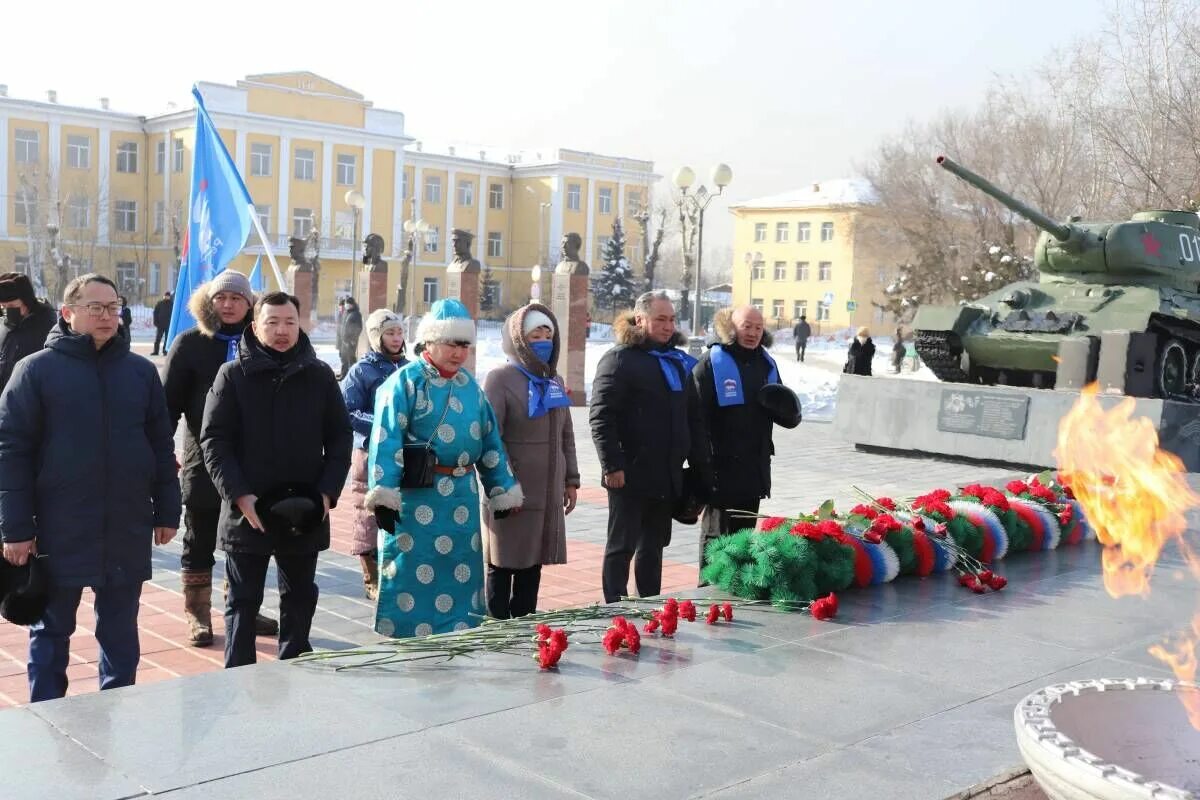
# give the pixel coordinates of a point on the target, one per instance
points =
(222, 310)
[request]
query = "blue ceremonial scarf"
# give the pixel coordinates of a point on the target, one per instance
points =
(728, 380)
(231, 340)
(674, 379)
(544, 394)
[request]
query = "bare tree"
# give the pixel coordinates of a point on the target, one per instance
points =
(643, 217)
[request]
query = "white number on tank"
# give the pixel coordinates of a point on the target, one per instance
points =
(1189, 247)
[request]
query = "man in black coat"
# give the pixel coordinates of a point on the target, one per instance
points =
(162, 321)
(87, 467)
(349, 329)
(800, 333)
(26, 322)
(728, 378)
(222, 310)
(643, 408)
(276, 431)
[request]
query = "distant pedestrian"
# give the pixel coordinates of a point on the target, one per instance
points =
(862, 351)
(162, 321)
(26, 322)
(127, 316)
(533, 411)
(385, 334)
(349, 329)
(800, 333)
(88, 469)
(276, 441)
(899, 352)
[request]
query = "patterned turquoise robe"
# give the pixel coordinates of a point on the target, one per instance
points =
(431, 565)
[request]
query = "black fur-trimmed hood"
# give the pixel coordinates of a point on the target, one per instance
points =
(626, 332)
(724, 331)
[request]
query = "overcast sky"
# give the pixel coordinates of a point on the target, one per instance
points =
(786, 93)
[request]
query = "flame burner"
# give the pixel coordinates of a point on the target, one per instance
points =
(1112, 740)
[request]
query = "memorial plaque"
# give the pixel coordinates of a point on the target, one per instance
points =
(999, 416)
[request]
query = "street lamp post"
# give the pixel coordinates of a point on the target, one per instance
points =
(357, 202)
(416, 230)
(696, 203)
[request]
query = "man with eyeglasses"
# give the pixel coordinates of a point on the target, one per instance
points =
(87, 466)
(26, 322)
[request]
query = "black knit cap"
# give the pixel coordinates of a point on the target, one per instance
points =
(16, 286)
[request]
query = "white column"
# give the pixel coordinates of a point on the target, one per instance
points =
(451, 199)
(55, 134)
(481, 200)
(103, 200)
(327, 190)
(166, 194)
(4, 175)
(621, 201)
(591, 222)
(556, 220)
(398, 201)
(418, 192)
(282, 213)
(239, 151)
(368, 181)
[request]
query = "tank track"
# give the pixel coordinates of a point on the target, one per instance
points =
(941, 351)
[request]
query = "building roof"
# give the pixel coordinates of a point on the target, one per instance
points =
(825, 194)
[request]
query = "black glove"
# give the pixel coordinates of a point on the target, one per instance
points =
(502, 514)
(386, 518)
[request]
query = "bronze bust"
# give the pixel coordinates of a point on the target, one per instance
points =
(463, 262)
(373, 247)
(570, 262)
(296, 248)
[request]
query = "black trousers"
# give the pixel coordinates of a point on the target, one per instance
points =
(160, 334)
(800, 348)
(722, 522)
(348, 355)
(247, 573)
(638, 530)
(199, 539)
(512, 592)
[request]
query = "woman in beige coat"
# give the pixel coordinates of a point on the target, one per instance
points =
(534, 414)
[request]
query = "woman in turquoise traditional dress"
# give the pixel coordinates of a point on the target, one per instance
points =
(431, 569)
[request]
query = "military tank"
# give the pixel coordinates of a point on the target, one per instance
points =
(1142, 275)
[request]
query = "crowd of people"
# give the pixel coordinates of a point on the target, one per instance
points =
(460, 490)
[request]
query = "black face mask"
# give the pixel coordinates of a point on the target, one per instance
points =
(12, 316)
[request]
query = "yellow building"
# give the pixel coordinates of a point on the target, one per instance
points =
(93, 189)
(814, 252)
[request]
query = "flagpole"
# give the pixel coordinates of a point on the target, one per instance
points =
(262, 237)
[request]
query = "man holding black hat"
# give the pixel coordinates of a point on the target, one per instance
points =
(26, 322)
(276, 440)
(736, 382)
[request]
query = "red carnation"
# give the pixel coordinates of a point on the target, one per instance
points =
(727, 612)
(651, 624)
(829, 527)
(613, 639)
(543, 632)
(873, 536)
(975, 490)
(548, 656)
(940, 530)
(986, 576)
(964, 579)
(824, 608)
(687, 610)
(669, 623)
(1064, 516)
(558, 639)
(998, 582)
(671, 606)
(633, 640)
(620, 623)
(886, 502)
(714, 614)
(807, 530)
(864, 511)
(771, 523)
(1017, 487)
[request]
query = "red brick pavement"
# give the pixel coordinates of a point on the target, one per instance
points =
(166, 654)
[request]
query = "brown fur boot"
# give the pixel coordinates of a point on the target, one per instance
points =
(370, 570)
(197, 606)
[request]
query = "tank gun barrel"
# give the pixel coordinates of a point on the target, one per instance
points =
(1056, 229)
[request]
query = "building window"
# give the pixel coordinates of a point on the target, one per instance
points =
(825, 271)
(79, 152)
(160, 216)
(177, 155)
(264, 216)
(757, 303)
(781, 270)
(79, 212)
(495, 245)
(26, 143)
(801, 270)
(605, 201)
(634, 202)
(302, 222)
(127, 157)
(760, 231)
(305, 164)
(155, 281)
(822, 312)
(826, 231)
(24, 205)
(799, 309)
(602, 245)
(431, 239)
(429, 290)
(260, 160)
(160, 157)
(803, 231)
(125, 212)
(574, 192)
(758, 270)
(433, 189)
(346, 168)
(126, 276)
(466, 193)
(21, 264)
(781, 231)
(776, 309)
(496, 196)
(403, 185)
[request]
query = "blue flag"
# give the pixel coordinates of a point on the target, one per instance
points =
(256, 278)
(218, 217)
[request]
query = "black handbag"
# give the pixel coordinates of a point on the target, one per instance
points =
(419, 460)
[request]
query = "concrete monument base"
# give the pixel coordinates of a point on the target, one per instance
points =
(1005, 424)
